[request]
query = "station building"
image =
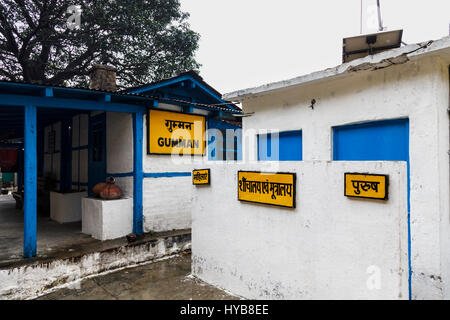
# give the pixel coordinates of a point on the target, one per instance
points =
(70, 139)
(385, 114)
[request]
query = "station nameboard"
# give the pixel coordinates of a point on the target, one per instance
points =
(201, 177)
(276, 189)
(370, 186)
(175, 133)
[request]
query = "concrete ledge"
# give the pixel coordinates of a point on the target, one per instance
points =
(30, 277)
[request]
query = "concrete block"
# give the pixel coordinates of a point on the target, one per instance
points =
(107, 219)
(66, 207)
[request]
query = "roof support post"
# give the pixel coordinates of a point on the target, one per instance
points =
(30, 184)
(138, 172)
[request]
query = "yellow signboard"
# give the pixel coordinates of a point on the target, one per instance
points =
(175, 133)
(276, 189)
(371, 186)
(201, 177)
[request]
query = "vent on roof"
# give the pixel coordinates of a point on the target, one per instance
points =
(102, 77)
(364, 45)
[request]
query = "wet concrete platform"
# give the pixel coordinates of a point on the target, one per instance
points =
(55, 241)
(164, 280)
(66, 255)
(51, 236)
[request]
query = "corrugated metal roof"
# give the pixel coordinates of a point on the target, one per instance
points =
(191, 73)
(194, 75)
(134, 96)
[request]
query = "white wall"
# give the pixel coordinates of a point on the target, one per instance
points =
(119, 148)
(322, 249)
(167, 201)
(417, 90)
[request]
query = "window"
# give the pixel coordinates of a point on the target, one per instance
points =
(288, 146)
(224, 144)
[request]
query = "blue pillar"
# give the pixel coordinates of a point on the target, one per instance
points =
(138, 173)
(30, 185)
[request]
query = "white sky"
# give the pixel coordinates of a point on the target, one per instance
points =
(245, 43)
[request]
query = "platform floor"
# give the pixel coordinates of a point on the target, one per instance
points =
(165, 280)
(51, 236)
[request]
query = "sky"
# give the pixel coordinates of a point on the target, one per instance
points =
(246, 43)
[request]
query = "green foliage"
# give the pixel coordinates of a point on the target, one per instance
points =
(145, 40)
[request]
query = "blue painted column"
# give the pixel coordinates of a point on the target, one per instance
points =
(138, 173)
(30, 184)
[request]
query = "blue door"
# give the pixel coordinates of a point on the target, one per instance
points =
(289, 146)
(97, 150)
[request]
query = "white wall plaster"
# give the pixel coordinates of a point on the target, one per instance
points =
(107, 219)
(322, 249)
(66, 207)
(417, 90)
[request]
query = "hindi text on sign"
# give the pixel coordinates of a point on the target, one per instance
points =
(201, 176)
(269, 188)
(371, 186)
(176, 133)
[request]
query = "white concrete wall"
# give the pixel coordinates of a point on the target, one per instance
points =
(107, 219)
(119, 142)
(328, 247)
(417, 90)
(168, 200)
(441, 100)
(119, 148)
(167, 203)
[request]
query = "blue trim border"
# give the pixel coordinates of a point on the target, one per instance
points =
(167, 174)
(151, 174)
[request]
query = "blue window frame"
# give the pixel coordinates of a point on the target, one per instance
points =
(224, 141)
(290, 146)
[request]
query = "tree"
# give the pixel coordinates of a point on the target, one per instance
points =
(145, 40)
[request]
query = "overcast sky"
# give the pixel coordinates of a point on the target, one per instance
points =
(245, 43)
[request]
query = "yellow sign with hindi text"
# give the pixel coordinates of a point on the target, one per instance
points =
(370, 186)
(201, 177)
(276, 189)
(175, 133)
